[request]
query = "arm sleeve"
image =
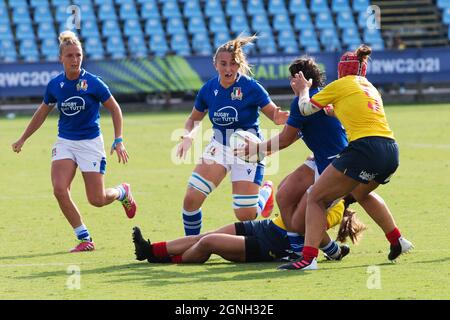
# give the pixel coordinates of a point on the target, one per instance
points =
(295, 117)
(103, 92)
(326, 96)
(49, 98)
(261, 96)
(200, 104)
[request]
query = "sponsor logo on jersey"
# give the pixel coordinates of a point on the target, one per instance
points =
(61, 84)
(72, 106)
(82, 85)
(249, 171)
(236, 94)
(216, 92)
(225, 116)
(54, 152)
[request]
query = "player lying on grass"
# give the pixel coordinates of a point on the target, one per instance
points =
(249, 241)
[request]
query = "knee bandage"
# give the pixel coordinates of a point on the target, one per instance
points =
(245, 201)
(197, 182)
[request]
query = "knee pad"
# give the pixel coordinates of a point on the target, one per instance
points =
(197, 182)
(241, 201)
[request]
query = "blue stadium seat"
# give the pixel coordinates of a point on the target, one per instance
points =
(122, 2)
(4, 17)
(28, 50)
(7, 51)
(266, 43)
(24, 31)
(201, 44)
(308, 37)
(171, 10)
(94, 49)
(260, 23)
(220, 39)
(38, 3)
(281, 21)
(297, 6)
(379, 46)
(41, 14)
(196, 24)
(340, 5)
(180, 44)
(49, 49)
(234, 7)
(192, 9)
(6, 32)
(255, 7)
(345, 19)
(115, 47)
(89, 29)
(149, 10)
(330, 40)
(302, 20)
(175, 25)
(128, 11)
(18, 4)
(318, 6)
(239, 24)
(57, 3)
(110, 28)
(213, 8)
(153, 26)
(132, 28)
(46, 30)
(218, 24)
(21, 15)
(158, 45)
(100, 3)
(446, 15)
(87, 11)
(443, 4)
(107, 12)
(360, 5)
(82, 2)
(372, 36)
(324, 20)
(286, 40)
(137, 46)
(276, 7)
(350, 37)
(61, 15)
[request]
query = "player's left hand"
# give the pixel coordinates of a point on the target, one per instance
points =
(280, 116)
(122, 153)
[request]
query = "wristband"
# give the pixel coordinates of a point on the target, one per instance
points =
(116, 141)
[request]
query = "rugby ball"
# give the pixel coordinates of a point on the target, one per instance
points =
(238, 141)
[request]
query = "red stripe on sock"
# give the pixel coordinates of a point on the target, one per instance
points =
(309, 253)
(176, 259)
(393, 236)
(160, 249)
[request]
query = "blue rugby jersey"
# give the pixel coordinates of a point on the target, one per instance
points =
(78, 103)
(236, 107)
(322, 134)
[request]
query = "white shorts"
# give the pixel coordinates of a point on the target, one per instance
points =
(240, 170)
(312, 164)
(89, 155)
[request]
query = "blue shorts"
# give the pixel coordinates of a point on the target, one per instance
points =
(369, 158)
(264, 241)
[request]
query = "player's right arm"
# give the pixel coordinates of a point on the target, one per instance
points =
(191, 127)
(38, 119)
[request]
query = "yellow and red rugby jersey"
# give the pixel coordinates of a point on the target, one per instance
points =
(358, 105)
(334, 216)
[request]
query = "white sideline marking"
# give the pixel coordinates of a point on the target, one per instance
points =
(56, 264)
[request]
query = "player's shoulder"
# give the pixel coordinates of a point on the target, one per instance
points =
(56, 79)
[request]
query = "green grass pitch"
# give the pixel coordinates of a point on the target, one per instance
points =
(35, 237)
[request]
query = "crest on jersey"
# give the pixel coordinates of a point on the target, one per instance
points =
(236, 94)
(82, 85)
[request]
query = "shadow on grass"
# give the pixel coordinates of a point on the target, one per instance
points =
(35, 255)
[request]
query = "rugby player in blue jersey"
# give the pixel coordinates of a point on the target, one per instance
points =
(232, 100)
(325, 137)
(77, 95)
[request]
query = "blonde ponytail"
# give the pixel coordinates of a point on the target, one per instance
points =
(67, 38)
